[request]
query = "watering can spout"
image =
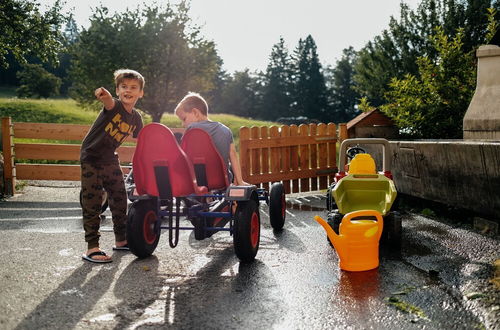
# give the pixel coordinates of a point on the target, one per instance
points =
(332, 236)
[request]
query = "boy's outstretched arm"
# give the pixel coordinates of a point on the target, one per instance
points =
(103, 95)
(235, 165)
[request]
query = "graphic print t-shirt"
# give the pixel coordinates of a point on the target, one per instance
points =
(108, 132)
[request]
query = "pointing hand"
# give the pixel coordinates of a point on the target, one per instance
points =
(102, 94)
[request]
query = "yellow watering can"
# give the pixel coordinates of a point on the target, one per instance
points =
(357, 241)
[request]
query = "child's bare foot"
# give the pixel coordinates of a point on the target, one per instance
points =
(96, 255)
(121, 246)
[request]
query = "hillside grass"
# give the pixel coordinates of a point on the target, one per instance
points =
(67, 111)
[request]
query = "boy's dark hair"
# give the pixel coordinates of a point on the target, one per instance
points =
(122, 74)
(191, 101)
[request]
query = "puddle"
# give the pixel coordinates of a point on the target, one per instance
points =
(303, 207)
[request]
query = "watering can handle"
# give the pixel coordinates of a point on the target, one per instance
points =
(363, 213)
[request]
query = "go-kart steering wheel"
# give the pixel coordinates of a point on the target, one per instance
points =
(353, 151)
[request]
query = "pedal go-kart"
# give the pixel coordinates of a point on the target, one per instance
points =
(358, 187)
(191, 180)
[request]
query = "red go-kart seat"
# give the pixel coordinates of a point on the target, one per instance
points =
(160, 166)
(210, 168)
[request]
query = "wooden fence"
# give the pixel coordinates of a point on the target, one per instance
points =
(302, 157)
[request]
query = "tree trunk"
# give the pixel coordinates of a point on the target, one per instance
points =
(156, 117)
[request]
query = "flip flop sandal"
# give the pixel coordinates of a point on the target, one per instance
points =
(121, 248)
(97, 261)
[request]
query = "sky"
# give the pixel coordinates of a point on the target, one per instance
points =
(246, 30)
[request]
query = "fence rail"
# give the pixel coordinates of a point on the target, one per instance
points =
(302, 157)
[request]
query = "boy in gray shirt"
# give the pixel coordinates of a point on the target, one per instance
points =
(192, 110)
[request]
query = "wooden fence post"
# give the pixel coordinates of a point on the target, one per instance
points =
(294, 158)
(285, 157)
(342, 132)
(264, 153)
(244, 154)
(322, 156)
(304, 158)
(313, 157)
(255, 153)
(275, 155)
(332, 150)
(9, 171)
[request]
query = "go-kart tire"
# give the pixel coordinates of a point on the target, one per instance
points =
(246, 230)
(143, 228)
(392, 233)
(277, 206)
(105, 203)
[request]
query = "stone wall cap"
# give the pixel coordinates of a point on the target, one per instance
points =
(446, 141)
(488, 51)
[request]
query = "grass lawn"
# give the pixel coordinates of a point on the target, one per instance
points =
(67, 111)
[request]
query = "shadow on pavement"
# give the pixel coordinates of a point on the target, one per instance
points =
(74, 298)
(219, 296)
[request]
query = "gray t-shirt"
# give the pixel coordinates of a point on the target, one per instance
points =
(107, 133)
(221, 136)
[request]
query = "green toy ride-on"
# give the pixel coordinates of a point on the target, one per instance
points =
(358, 186)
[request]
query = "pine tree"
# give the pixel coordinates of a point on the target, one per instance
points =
(311, 95)
(343, 96)
(277, 89)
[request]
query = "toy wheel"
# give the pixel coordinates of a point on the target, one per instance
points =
(246, 230)
(104, 204)
(143, 228)
(330, 201)
(392, 230)
(277, 205)
(353, 151)
(334, 220)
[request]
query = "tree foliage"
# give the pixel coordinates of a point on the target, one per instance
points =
(343, 96)
(239, 95)
(25, 31)
(159, 42)
(277, 93)
(394, 53)
(37, 82)
(432, 104)
(310, 92)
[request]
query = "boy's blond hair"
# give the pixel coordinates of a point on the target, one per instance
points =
(193, 101)
(122, 74)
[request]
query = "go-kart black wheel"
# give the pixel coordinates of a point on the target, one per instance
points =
(143, 228)
(277, 205)
(246, 230)
(391, 236)
(104, 204)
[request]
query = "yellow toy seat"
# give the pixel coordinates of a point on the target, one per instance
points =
(362, 164)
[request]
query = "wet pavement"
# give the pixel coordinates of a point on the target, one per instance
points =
(440, 278)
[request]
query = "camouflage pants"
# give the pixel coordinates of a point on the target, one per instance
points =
(95, 178)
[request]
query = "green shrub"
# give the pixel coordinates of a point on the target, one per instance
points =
(37, 82)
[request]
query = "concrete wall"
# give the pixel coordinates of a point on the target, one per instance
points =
(464, 174)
